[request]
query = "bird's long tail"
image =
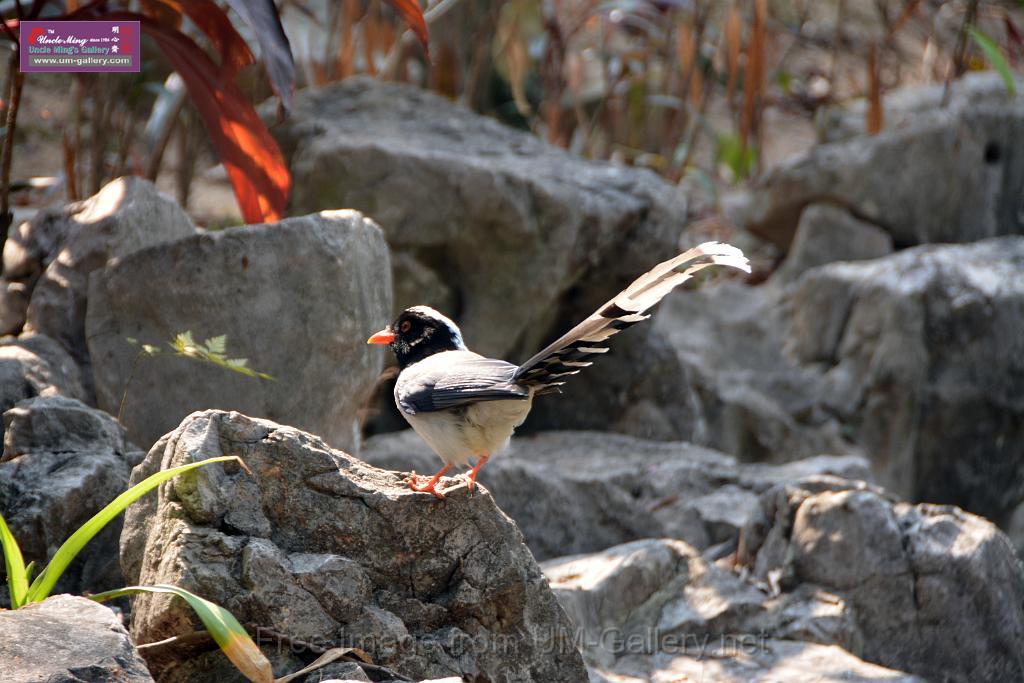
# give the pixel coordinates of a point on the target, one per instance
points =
(577, 348)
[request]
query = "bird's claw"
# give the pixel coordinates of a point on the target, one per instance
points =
(430, 487)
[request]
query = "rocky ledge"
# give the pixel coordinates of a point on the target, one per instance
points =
(319, 546)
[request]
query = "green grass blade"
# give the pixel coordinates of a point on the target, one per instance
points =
(995, 57)
(17, 576)
(47, 579)
(229, 635)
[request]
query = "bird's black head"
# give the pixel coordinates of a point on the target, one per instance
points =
(419, 332)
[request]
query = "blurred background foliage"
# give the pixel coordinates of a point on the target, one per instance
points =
(705, 93)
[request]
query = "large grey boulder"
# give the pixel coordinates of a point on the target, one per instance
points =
(577, 492)
(828, 233)
(67, 639)
(64, 245)
(748, 396)
(62, 462)
(656, 610)
(922, 355)
(318, 545)
(515, 239)
(915, 578)
(296, 298)
(35, 365)
(950, 176)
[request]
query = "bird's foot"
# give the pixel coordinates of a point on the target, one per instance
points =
(430, 486)
(473, 472)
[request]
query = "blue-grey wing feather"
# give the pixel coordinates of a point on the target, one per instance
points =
(460, 379)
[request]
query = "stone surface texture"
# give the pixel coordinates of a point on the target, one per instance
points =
(64, 245)
(656, 610)
(923, 359)
(35, 365)
(297, 299)
(578, 492)
(327, 549)
(915, 578)
(67, 639)
(62, 462)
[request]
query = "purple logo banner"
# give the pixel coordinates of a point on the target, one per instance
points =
(80, 46)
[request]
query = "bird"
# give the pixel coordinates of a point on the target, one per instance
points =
(466, 406)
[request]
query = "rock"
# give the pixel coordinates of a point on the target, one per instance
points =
(523, 236)
(419, 283)
(126, 215)
(748, 397)
(296, 298)
(923, 359)
(950, 176)
(33, 244)
(916, 578)
(67, 639)
(61, 424)
(578, 492)
(324, 548)
(13, 306)
(745, 659)
(904, 106)
(35, 365)
(654, 610)
(63, 461)
(827, 233)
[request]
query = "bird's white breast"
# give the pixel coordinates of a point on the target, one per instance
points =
(461, 434)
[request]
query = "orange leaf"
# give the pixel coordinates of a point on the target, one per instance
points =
(215, 23)
(250, 155)
(411, 12)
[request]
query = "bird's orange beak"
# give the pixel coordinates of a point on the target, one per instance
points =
(385, 336)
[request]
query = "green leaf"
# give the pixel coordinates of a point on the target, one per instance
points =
(222, 625)
(184, 343)
(17, 576)
(738, 159)
(47, 579)
(217, 344)
(995, 57)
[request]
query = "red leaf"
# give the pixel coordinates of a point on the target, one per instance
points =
(216, 24)
(250, 155)
(411, 12)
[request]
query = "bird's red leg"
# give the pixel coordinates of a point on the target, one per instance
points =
(431, 486)
(472, 473)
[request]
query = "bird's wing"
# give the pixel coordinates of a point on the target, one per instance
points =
(578, 348)
(456, 378)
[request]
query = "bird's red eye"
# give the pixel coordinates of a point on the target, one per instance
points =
(405, 326)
